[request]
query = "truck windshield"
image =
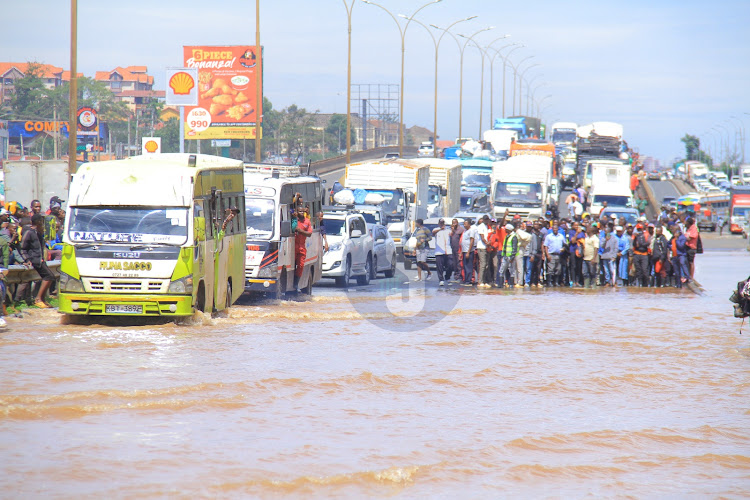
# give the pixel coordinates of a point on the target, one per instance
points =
(129, 225)
(612, 200)
(259, 213)
(475, 178)
(563, 135)
(393, 200)
(433, 195)
(741, 212)
(517, 192)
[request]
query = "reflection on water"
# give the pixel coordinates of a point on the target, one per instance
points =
(539, 393)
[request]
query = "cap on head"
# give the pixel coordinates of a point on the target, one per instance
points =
(618, 228)
(56, 199)
(509, 227)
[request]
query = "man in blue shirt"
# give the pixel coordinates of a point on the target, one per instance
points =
(553, 245)
(623, 249)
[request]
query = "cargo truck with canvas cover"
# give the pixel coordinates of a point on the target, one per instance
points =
(159, 235)
(444, 197)
(404, 186)
(270, 264)
(522, 186)
(500, 140)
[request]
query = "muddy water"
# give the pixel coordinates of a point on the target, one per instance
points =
(530, 393)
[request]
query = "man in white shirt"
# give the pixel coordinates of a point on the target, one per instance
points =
(483, 231)
(468, 243)
(443, 251)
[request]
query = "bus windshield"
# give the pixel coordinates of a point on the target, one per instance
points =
(129, 225)
(259, 214)
(433, 195)
(564, 135)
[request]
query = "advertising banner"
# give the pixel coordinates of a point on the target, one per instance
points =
(227, 105)
(88, 122)
(182, 87)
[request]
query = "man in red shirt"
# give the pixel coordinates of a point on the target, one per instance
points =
(691, 233)
(304, 230)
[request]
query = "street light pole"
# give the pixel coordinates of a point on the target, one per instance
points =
(436, 42)
(349, 8)
(258, 82)
(505, 63)
(740, 132)
(492, 75)
(403, 55)
(529, 92)
(482, 53)
(461, 86)
(515, 75)
(73, 113)
(520, 85)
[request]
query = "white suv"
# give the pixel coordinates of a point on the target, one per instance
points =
(350, 251)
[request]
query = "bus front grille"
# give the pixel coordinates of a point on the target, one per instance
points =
(113, 285)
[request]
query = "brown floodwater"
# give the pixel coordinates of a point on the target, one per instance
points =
(420, 393)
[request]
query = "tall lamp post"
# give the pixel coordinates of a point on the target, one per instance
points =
(740, 133)
(482, 53)
(73, 113)
(492, 73)
(402, 31)
(258, 78)
(529, 92)
(515, 75)
(436, 43)
(349, 8)
(520, 85)
(532, 95)
(505, 64)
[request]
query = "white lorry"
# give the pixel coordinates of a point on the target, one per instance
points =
(744, 173)
(696, 172)
(404, 185)
(522, 186)
(27, 180)
(444, 197)
(500, 140)
(610, 182)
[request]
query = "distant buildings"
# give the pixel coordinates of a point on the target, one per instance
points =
(52, 76)
(132, 85)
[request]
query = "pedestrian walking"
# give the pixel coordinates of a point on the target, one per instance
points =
(508, 252)
(679, 258)
(482, 237)
(423, 237)
(443, 251)
(456, 231)
(468, 243)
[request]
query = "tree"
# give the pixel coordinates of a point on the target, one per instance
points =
(336, 133)
(29, 101)
(295, 131)
(692, 146)
(170, 136)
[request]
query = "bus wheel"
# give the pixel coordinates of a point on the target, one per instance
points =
(200, 300)
(229, 295)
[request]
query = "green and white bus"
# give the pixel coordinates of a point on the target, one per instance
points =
(143, 236)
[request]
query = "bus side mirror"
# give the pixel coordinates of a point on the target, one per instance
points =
(285, 229)
(443, 192)
(199, 228)
(412, 197)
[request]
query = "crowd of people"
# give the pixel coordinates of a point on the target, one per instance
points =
(583, 251)
(30, 237)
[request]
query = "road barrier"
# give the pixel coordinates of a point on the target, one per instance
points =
(21, 274)
(339, 162)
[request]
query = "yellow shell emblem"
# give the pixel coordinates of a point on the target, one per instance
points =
(151, 146)
(181, 83)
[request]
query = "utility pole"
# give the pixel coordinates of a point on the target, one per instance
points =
(258, 82)
(72, 123)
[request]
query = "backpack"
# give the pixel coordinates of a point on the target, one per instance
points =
(741, 299)
(640, 243)
(699, 245)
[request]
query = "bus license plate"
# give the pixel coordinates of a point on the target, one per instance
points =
(123, 309)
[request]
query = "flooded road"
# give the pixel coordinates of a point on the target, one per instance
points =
(433, 392)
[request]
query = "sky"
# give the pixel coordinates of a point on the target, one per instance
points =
(661, 68)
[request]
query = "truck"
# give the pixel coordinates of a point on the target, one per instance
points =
(270, 255)
(696, 172)
(522, 186)
(500, 139)
(739, 209)
(564, 134)
(526, 126)
(444, 196)
(598, 141)
(476, 174)
(404, 185)
(27, 180)
(744, 173)
(610, 182)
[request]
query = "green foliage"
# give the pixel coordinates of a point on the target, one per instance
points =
(30, 98)
(170, 136)
(693, 150)
(336, 133)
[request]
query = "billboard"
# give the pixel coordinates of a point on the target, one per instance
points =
(88, 121)
(227, 105)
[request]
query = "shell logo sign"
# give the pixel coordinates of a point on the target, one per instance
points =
(151, 145)
(181, 83)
